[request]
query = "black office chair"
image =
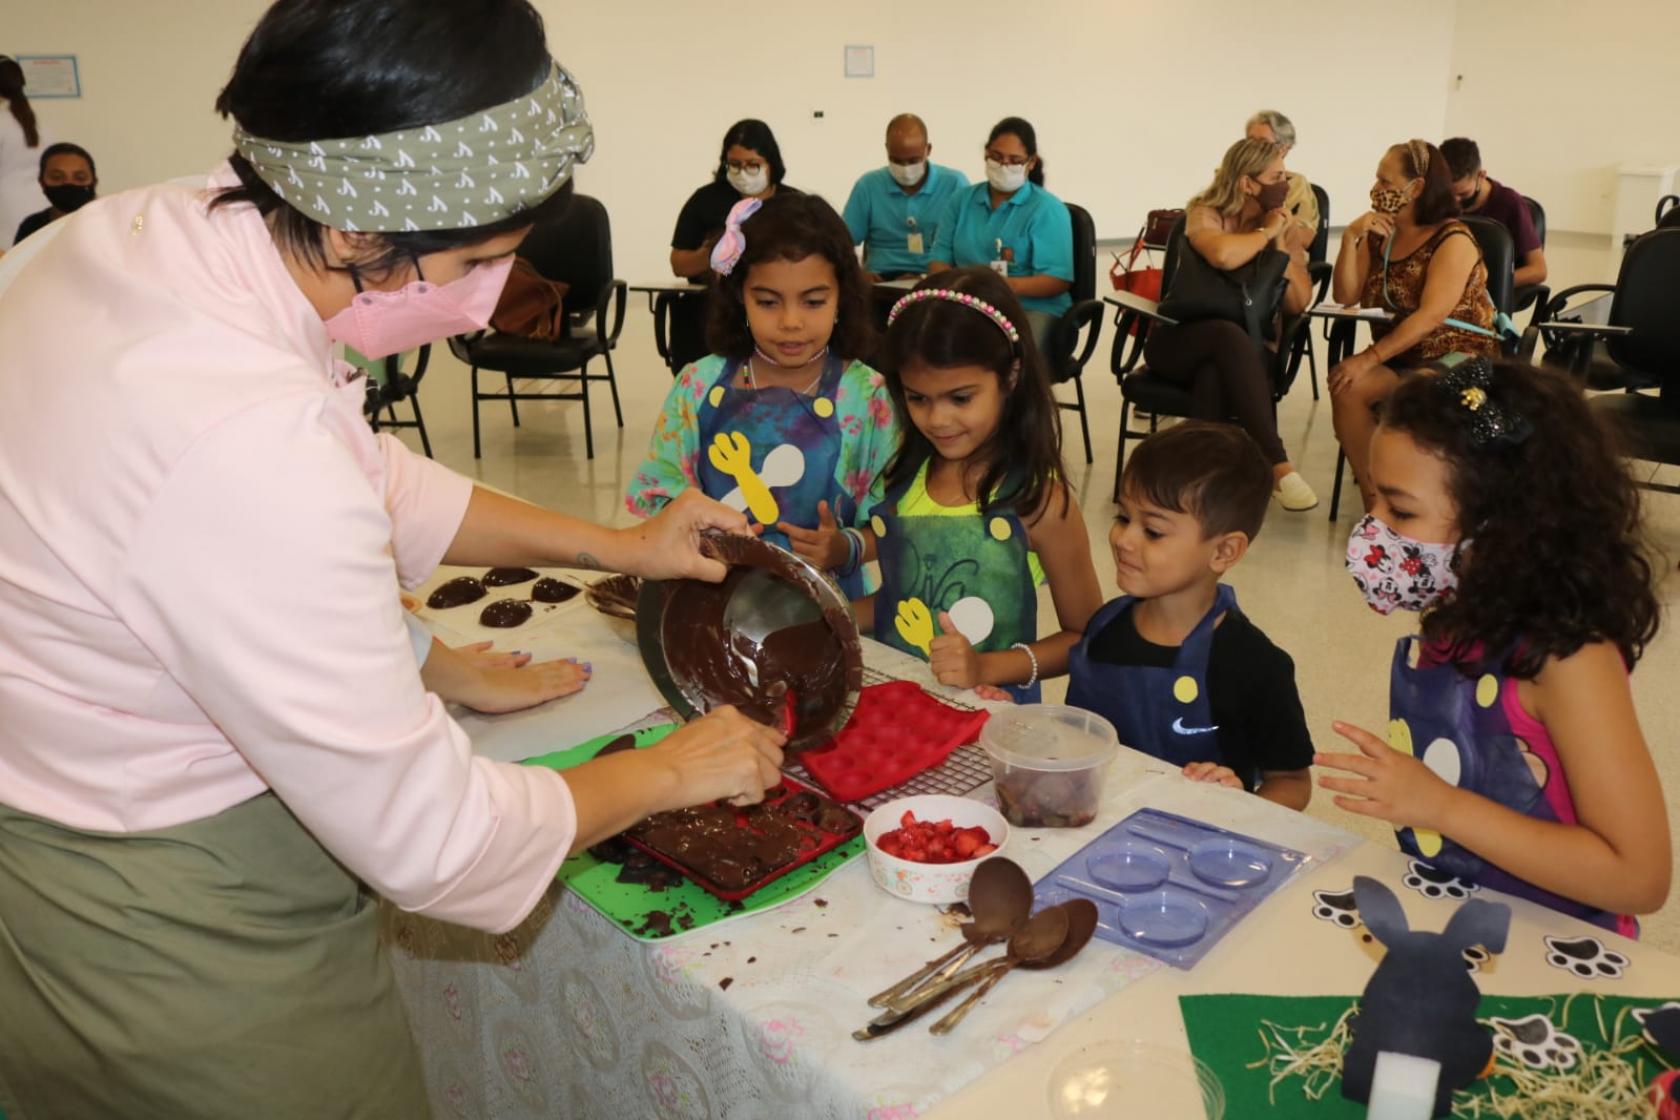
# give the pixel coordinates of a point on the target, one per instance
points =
(1533, 295)
(1650, 352)
(1074, 336)
(575, 248)
(1668, 211)
(1320, 268)
(1145, 392)
(398, 387)
(679, 328)
(1499, 254)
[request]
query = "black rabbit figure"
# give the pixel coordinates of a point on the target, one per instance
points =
(1421, 1000)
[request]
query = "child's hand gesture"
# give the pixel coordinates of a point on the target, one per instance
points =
(952, 657)
(1214, 773)
(824, 546)
(1392, 785)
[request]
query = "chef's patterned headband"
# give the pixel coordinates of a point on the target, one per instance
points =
(948, 295)
(458, 174)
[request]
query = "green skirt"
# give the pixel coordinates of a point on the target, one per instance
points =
(228, 967)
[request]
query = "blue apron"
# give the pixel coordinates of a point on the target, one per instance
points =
(1163, 712)
(974, 567)
(791, 441)
(1457, 725)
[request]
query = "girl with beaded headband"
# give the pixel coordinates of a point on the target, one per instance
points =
(783, 420)
(977, 515)
(1514, 757)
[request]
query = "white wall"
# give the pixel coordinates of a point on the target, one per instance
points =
(1557, 93)
(1134, 101)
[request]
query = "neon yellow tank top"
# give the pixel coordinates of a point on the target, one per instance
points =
(917, 502)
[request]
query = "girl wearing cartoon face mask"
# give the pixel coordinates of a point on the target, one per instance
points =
(1013, 225)
(1408, 255)
(1514, 756)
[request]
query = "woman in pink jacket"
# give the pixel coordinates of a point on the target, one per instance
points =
(213, 740)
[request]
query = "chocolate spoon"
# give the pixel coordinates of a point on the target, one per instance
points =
(1041, 936)
(1000, 897)
(1082, 923)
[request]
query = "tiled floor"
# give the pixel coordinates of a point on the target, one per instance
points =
(1292, 584)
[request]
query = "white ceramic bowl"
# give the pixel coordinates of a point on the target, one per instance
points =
(930, 882)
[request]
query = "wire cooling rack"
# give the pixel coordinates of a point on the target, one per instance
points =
(966, 769)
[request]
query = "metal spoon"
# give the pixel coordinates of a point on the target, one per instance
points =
(1041, 936)
(1082, 923)
(1000, 898)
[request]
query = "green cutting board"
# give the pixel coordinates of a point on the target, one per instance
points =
(686, 907)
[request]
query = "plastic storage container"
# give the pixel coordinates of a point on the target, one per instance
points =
(1049, 761)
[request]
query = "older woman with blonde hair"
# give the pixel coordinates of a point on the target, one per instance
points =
(1237, 218)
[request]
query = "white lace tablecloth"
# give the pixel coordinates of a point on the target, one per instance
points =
(567, 1016)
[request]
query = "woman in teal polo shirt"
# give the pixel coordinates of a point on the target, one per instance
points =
(1013, 224)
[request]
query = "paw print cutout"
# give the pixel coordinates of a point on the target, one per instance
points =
(1660, 1025)
(1432, 882)
(1586, 957)
(1536, 1042)
(1475, 957)
(1337, 907)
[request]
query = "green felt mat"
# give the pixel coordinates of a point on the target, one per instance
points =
(685, 906)
(1225, 1034)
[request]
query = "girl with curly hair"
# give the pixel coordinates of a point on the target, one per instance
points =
(783, 419)
(1514, 757)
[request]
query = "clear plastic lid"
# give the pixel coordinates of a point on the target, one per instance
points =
(1049, 737)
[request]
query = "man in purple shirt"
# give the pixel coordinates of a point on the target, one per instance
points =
(1485, 197)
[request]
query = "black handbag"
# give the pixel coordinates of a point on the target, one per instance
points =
(1248, 295)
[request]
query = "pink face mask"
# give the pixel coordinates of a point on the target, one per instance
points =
(379, 324)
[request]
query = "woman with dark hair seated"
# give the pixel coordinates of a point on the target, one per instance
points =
(749, 166)
(1013, 225)
(1409, 254)
(215, 745)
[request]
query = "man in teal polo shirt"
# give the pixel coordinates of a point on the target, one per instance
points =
(1011, 223)
(894, 211)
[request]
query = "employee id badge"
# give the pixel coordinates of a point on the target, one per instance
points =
(913, 243)
(1001, 267)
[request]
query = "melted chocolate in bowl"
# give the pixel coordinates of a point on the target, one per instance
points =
(458, 592)
(507, 577)
(728, 667)
(504, 614)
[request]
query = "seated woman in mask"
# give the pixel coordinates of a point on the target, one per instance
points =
(68, 179)
(749, 166)
(1412, 256)
(1239, 216)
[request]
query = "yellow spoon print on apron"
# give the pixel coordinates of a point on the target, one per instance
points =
(915, 625)
(731, 454)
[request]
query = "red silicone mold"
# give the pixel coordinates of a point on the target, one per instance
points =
(897, 731)
(821, 826)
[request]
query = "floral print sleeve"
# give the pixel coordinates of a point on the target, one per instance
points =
(674, 450)
(870, 424)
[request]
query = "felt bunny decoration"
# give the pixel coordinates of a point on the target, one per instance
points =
(1421, 1000)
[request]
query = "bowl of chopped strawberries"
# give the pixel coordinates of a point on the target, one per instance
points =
(925, 848)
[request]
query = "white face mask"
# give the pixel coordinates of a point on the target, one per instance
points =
(1005, 178)
(907, 174)
(749, 184)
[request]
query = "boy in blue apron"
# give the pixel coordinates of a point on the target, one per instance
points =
(1173, 663)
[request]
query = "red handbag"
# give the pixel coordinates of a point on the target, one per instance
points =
(1125, 274)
